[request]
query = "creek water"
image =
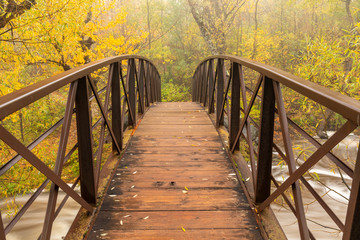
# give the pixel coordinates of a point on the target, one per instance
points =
(30, 225)
(328, 183)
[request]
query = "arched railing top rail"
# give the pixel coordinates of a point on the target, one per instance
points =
(342, 104)
(105, 96)
(253, 101)
(23, 97)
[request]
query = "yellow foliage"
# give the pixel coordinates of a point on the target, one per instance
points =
(55, 35)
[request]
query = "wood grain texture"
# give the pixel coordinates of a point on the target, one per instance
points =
(175, 181)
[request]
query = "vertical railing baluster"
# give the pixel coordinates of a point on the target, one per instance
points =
(85, 151)
(235, 106)
(263, 181)
(211, 87)
(146, 84)
(352, 222)
(199, 74)
(220, 91)
(132, 90)
(196, 82)
(116, 120)
(152, 85)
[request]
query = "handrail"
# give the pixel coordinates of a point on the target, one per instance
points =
(23, 97)
(213, 86)
(125, 97)
(340, 103)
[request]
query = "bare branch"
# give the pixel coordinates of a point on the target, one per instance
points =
(13, 10)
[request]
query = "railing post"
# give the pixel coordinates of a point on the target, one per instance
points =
(220, 91)
(235, 106)
(141, 108)
(116, 106)
(159, 88)
(211, 86)
(132, 90)
(148, 84)
(205, 84)
(352, 222)
(263, 181)
(83, 123)
(152, 84)
(198, 84)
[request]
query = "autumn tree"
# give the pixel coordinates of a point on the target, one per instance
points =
(214, 19)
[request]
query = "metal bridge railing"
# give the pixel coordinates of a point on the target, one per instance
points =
(132, 85)
(248, 95)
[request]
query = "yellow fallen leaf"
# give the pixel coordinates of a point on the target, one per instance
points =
(186, 188)
(183, 229)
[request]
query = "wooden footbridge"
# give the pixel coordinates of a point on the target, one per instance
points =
(194, 170)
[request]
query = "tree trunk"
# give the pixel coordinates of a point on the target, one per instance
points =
(255, 31)
(322, 127)
(148, 22)
(204, 32)
(348, 12)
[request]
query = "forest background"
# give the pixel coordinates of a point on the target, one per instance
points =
(318, 40)
(314, 39)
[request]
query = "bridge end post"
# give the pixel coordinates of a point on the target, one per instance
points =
(235, 107)
(352, 222)
(2, 229)
(263, 179)
(83, 123)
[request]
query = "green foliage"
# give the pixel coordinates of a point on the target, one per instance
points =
(171, 92)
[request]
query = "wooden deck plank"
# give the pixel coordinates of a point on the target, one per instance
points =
(172, 220)
(213, 234)
(175, 181)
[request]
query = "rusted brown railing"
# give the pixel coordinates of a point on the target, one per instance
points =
(125, 97)
(226, 85)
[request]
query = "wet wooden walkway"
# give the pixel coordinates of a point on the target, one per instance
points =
(175, 181)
